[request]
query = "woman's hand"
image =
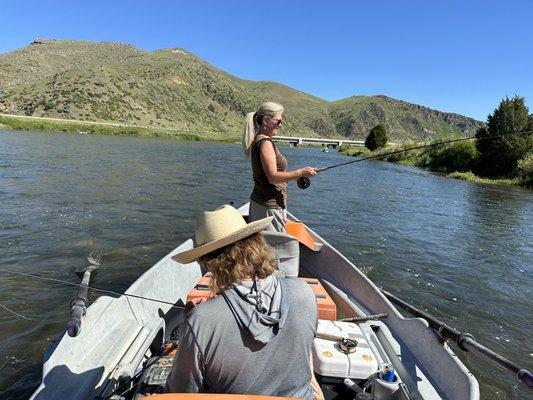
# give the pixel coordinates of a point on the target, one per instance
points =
(307, 172)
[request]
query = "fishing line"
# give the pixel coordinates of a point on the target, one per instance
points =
(43, 278)
(304, 182)
(16, 313)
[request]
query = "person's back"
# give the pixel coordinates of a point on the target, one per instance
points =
(256, 336)
(236, 349)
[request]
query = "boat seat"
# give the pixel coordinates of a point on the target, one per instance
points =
(326, 307)
(298, 231)
(287, 251)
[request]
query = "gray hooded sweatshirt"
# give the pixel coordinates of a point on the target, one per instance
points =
(254, 338)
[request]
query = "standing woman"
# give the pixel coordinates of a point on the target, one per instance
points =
(269, 167)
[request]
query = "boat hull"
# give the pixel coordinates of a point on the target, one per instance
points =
(119, 333)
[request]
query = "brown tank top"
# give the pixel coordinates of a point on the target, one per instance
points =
(265, 193)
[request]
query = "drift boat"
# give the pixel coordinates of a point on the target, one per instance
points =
(364, 349)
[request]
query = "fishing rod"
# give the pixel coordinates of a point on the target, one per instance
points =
(304, 182)
(465, 341)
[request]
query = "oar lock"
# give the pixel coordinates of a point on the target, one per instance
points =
(462, 339)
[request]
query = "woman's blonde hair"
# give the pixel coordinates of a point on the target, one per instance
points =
(245, 259)
(252, 122)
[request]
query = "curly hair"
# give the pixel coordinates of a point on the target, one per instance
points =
(248, 257)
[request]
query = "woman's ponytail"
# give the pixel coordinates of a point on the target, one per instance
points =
(248, 133)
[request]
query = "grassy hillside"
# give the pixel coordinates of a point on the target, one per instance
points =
(172, 88)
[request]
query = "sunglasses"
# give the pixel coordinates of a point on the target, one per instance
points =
(278, 122)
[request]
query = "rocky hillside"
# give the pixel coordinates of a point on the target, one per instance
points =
(173, 88)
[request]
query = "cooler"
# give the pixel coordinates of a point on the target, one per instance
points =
(330, 361)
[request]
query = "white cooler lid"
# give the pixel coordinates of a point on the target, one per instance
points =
(329, 360)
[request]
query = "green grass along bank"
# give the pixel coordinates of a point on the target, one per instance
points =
(45, 124)
(24, 123)
(453, 160)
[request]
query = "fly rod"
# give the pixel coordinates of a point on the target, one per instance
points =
(304, 182)
(465, 341)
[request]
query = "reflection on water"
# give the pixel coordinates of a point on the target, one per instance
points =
(459, 250)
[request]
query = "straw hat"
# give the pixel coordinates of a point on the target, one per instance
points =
(220, 228)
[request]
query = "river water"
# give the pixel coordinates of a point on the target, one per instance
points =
(462, 251)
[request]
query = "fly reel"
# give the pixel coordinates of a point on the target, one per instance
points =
(303, 182)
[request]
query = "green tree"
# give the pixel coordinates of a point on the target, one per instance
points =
(499, 156)
(377, 138)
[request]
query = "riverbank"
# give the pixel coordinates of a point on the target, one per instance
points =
(26, 123)
(434, 160)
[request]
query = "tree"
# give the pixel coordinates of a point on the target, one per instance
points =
(377, 138)
(499, 156)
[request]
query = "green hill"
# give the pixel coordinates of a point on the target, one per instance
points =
(172, 88)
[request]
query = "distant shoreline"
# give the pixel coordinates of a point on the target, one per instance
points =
(45, 124)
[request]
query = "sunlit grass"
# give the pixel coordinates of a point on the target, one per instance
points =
(471, 177)
(42, 124)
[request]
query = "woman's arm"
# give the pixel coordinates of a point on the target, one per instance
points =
(268, 160)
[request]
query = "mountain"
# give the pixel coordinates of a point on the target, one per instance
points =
(173, 88)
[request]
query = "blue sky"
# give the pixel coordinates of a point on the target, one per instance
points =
(457, 56)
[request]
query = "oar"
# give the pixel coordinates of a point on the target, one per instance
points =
(78, 306)
(465, 341)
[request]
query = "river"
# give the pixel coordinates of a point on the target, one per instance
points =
(462, 251)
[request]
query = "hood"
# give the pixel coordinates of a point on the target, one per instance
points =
(259, 307)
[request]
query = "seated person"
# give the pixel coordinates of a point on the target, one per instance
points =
(255, 336)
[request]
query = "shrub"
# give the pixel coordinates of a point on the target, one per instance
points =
(404, 157)
(377, 138)
(499, 156)
(459, 156)
(525, 168)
